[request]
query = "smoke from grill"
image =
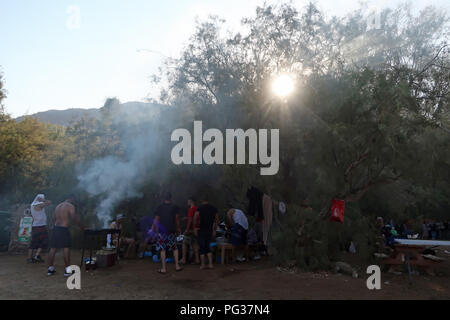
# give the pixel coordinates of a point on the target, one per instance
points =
(115, 178)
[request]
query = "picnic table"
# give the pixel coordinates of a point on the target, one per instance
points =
(225, 246)
(410, 252)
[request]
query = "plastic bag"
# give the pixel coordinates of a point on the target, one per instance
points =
(337, 210)
(352, 248)
(24, 234)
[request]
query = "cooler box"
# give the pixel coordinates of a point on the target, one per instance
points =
(105, 258)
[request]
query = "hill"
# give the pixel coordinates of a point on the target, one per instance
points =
(70, 116)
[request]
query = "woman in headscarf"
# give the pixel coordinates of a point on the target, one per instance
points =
(39, 232)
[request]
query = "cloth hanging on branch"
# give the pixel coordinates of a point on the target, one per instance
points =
(255, 207)
(268, 214)
(279, 210)
(261, 206)
(282, 207)
(337, 210)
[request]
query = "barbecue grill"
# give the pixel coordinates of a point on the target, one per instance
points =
(90, 235)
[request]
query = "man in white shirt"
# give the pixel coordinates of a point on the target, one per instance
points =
(39, 232)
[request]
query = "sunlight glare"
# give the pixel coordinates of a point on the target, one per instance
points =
(283, 85)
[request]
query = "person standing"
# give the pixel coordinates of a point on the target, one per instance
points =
(60, 237)
(189, 234)
(39, 232)
(425, 233)
(429, 230)
(208, 218)
(433, 231)
(167, 226)
(446, 230)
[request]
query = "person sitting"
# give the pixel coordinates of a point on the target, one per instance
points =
(390, 234)
(239, 228)
(252, 240)
(129, 242)
(145, 235)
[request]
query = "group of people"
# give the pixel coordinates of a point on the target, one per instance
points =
(430, 231)
(164, 231)
(201, 228)
(60, 237)
(435, 230)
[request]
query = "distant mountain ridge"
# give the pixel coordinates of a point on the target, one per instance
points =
(63, 117)
(70, 116)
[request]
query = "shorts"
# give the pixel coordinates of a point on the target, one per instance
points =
(60, 238)
(166, 242)
(204, 241)
(238, 235)
(190, 239)
(39, 238)
(127, 240)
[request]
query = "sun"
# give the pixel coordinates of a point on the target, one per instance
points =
(283, 85)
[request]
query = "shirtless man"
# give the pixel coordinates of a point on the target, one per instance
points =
(61, 235)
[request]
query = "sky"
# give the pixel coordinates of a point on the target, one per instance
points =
(76, 53)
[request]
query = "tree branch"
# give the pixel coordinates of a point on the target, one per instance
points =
(358, 193)
(354, 164)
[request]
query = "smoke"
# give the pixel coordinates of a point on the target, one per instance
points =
(113, 178)
(145, 131)
(116, 178)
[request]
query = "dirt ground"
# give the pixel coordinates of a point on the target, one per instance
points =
(259, 280)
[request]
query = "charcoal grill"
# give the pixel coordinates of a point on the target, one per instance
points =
(89, 235)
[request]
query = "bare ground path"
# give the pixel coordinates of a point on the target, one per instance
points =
(138, 279)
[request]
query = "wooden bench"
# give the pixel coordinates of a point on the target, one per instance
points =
(409, 252)
(224, 247)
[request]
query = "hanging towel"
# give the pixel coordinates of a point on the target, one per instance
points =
(282, 207)
(255, 207)
(268, 214)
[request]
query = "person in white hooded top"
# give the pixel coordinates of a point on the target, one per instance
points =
(39, 232)
(238, 222)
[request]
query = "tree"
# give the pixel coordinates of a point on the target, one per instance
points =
(363, 100)
(3, 116)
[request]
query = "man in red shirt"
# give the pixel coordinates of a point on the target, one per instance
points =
(189, 236)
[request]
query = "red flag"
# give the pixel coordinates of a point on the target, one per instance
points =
(337, 210)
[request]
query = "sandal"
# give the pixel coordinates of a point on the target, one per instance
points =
(178, 270)
(161, 272)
